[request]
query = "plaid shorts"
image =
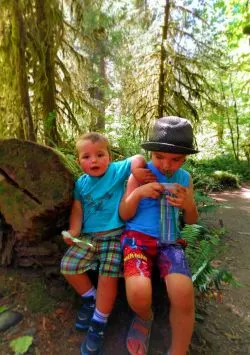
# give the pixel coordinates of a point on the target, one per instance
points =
(105, 255)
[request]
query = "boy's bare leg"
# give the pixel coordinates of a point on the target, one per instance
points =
(181, 294)
(139, 296)
(106, 293)
(80, 282)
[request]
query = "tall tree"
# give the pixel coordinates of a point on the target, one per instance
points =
(167, 68)
(163, 56)
(48, 51)
(232, 114)
(19, 43)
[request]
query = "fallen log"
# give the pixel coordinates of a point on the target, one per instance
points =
(36, 187)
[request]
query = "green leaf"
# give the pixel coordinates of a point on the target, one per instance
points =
(3, 308)
(21, 344)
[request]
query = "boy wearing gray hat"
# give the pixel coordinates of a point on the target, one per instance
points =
(144, 245)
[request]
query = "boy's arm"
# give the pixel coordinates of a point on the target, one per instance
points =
(190, 212)
(141, 174)
(130, 200)
(134, 193)
(75, 219)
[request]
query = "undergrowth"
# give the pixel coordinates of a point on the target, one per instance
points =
(38, 298)
(204, 245)
(217, 174)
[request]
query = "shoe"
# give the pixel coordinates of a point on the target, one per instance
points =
(139, 332)
(85, 313)
(94, 340)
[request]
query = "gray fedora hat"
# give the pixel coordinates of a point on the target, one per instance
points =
(171, 134)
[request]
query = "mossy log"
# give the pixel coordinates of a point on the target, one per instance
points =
(35, 193)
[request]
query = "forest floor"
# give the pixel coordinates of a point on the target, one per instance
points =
(49, 307)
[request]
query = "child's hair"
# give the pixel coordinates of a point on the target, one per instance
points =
(94, 137)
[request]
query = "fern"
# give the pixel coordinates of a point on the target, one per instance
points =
(202, 249)
(204, 203)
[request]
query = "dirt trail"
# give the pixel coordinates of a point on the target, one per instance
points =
(226, 329)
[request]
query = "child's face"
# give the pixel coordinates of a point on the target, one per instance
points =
(93, 157)
(167, 163)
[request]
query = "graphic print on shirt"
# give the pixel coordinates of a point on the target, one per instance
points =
(95, 205)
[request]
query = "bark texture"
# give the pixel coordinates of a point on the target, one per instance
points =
(35, 196)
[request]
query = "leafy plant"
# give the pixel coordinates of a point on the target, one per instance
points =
(38, 299)
(226, 179)
(246, 30)
(3, 309)
(202, 249)
(204, 203)
(21, 345)
(206, 176)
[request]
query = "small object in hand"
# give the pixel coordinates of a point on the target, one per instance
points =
(169, 188)
(77, 241)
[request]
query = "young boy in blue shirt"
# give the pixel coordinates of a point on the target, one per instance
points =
(171, 141)
(95, 218)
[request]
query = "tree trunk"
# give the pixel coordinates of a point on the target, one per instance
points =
(162, 61)
(26, 126)
(36, 192)
(98, 92)
(47, 66)
(237, 148)
(229, 122)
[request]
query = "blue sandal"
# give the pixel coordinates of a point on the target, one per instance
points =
(140, 331)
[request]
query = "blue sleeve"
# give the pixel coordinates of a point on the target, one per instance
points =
(76, 192)
(78, 187)
(184, 178)
(123, 168)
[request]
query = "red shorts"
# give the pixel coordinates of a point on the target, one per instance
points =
(141, 252)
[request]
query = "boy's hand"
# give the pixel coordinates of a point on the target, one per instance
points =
(183, 197)
(71, 241)
(143, 176)
(67, 237)
(152, 190)
(68, 241)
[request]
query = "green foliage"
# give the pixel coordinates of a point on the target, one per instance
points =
(99, 62)
(204, 203)
(3, 309)
(203, 247)
(128, 146)
(246, 29)
(226, 180)
(21, 345)
(38, 299)
(50, 120)
(70, 162)
(205, 179)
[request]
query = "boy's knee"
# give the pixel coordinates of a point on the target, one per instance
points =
(181, 294)
(137, 295)
(138, 291)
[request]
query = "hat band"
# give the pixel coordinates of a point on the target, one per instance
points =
(169, 144)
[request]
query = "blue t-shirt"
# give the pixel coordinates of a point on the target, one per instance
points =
(100, 197)
(147, 217)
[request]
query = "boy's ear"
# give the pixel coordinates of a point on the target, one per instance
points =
(110, 158)
(77, 161)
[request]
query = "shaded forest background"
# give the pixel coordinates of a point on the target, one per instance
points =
(70, 66)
